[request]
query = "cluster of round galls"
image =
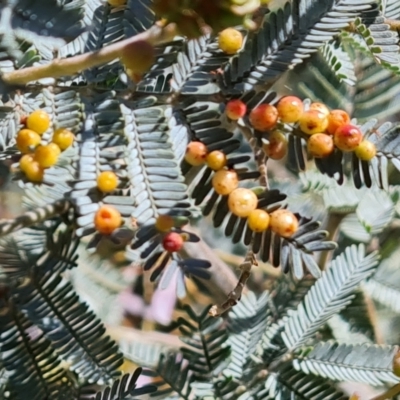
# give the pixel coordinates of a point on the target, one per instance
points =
(107, 219)
(325, 129)
(242, 202)
(197, 154)
(264, 118)
(37, 157)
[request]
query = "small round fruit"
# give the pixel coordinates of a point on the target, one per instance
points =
(138, 56)
(216, 160)
(230, 41)
(320, 145)
(196, 153)
(172, 242)
(337, 118)
(313, 121)
(26, 140)
(25, 161)
(55, 148)
(290, 109)
(258, 220)
(242, 202)
(63, 138)
(235, 109)
(47, 155)
(366, 150)
(34, 172)
(164, 223)
(264, 117)
(322, 108)
(283, 223)
(347, 137)
(38, 121)
(276, 149)
(107, 219)
(225, 181)
(107, 181)
(116, 3)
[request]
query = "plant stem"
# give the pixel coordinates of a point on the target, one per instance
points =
(235, 295)
(235, 260)
(332, 227)
(394, 24)
(389, 394)
(259, 155)
(34, 217)
(59, 67)
(261, 159)
(373, 316)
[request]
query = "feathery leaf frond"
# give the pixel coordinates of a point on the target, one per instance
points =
(384, 285)
(379, 38)
(288, 36)
(75, 332)
(339, 61)
(208, 349)
(246, 323)
(330, 294)
(124, 388)
(30, 363)
(296, 385)
(376, 91)
(366, 363)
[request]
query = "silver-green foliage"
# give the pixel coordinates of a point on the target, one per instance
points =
(267, 359)
(371, 364)
(329, 295)
(140, 132)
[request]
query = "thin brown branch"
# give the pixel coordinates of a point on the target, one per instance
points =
(33, 217)
(235, 260)
(235, 295)
(373, 317)
(389, 394)
(393, 24)
(59, 67)
(261, 159)
(332, 226)
(248, 135)
(259, 155)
